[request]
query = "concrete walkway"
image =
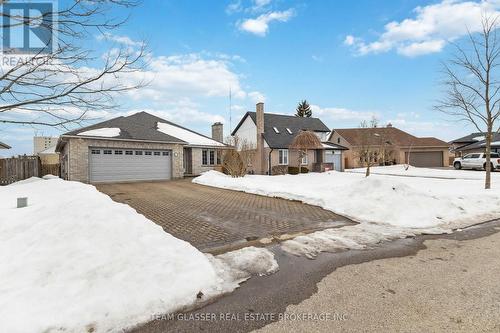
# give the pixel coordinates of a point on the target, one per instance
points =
(210, 218)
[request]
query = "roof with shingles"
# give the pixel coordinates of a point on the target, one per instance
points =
(139, 126)
(393, 135)
(283, 139)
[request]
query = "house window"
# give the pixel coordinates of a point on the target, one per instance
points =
(129, 152)
(304, 161)
(157, 153)
(219, 157)
(138, 152)
(276, 130)
(208, 157)
(118, 152)
(96, 151)
(289, 131)
(148, 153)
(338, 140)
(165, 153)
(212, 157)
(107, 152)
(283, 156)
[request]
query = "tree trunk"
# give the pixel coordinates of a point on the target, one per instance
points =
(367, 170)
(487, 180)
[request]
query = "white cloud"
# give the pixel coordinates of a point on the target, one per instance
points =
(256, 97)
(349, 40)
(341, 114)
(234, 7)
(182, 75)
(430, 30)
(260, 25)
(125, 40)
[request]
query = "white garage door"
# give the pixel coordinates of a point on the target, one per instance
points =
(331, 157)
(112, 164)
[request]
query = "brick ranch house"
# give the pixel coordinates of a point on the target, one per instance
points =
(271, 135)
(474, 143)
(399, 146)
(139, 147)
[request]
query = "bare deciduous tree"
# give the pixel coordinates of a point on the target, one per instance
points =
(237, 161)
(472, 84)
(367, 152)
(56, 86)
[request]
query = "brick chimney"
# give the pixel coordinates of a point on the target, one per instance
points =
(259, 110)
(218, 132)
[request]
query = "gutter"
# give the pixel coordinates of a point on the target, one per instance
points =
(269, 164)
(115, 139)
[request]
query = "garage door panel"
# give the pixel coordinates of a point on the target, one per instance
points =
(426, 159)
(124, 167)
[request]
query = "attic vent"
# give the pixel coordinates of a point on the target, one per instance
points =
(276, 130)
(289, 131)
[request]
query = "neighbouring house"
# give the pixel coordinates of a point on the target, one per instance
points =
(41, 143)
(474, 143)
(139, 147)
(271, 135)
(393, 146)
(49, 155)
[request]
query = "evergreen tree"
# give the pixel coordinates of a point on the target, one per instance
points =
(303, 110)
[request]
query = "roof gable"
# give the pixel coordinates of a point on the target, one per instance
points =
(287, 127)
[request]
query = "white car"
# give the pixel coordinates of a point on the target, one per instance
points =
(476, 161)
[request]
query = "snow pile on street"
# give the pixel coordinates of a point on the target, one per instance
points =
(238, 266)
(400, 170)
(356, 237)
(76, 261)
(186, 135)
(387, 206)
(102, 132)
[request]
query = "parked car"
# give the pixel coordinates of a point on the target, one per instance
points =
(476, 161)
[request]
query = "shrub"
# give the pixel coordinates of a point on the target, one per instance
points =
(295, 170)
(279, 170)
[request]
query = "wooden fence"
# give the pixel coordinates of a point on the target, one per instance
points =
(24, 167)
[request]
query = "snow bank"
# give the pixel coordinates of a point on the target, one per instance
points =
(399, 170)
(74, 260)
(102, 132)
(357, 237)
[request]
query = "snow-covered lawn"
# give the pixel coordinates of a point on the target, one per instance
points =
(387, 206)
(450, 173)
(76, 261)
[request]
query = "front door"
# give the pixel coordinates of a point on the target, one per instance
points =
(188, 161)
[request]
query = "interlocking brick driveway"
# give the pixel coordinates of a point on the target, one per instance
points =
(209, 217)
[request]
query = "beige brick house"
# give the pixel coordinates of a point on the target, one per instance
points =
(136, 148)
(400, 147)
(271, 135)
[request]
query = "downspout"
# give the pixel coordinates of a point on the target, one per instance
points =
(269, 159)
